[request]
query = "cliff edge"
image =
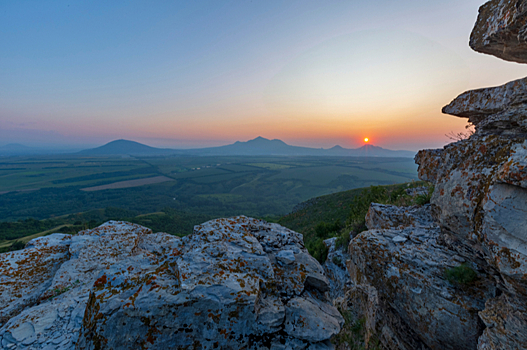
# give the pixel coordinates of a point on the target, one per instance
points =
(453, 274)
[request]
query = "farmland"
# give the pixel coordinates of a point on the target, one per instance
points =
(185, 188)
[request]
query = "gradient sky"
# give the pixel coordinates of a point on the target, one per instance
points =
(204, 73)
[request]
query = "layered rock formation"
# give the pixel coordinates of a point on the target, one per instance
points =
(398, 269)
(477, 217)
(234, 283)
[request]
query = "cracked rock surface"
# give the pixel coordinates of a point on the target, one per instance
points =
(233, 283)
(397, 267)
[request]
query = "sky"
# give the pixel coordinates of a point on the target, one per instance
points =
(186, 74)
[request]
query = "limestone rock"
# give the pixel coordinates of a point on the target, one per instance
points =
(501, 30)
(233, 283)
(500, 110)
(310, 319)
(506, 321)
(63, 303)
(411, 303)
(26, 274)
(417, 191)
(480, 202)
(222, 287)
(381, 216)
(480, 197)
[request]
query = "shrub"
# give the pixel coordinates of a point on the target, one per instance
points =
(461, 275)
(353, 334)
(360, 206)
(343, 239)
(318, 250)
(337, 260)
(424, 198)
(324, 230)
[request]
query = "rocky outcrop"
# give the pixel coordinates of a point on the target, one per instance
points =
(501, 30)
(398, 267)
(480, 197)
(480, 201)
(233, 283)
(477, 217)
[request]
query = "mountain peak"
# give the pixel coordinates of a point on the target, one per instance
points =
(123, 147)
(263, 141)
(369, 147)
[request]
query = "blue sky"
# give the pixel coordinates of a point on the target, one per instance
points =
(201, 73)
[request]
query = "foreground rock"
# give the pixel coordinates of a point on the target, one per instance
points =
(398, 267)
(233, 283)
(26, 274)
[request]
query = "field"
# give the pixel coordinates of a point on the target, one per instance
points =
(183, 189)
(129, 183)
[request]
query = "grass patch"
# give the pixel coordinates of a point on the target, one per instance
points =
(462, 275)
(353, 334)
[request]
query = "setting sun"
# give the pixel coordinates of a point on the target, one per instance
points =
(366, 139)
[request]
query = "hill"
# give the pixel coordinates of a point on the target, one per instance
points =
(125, 147)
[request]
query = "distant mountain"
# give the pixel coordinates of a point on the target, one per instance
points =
(257, 147)
(126, 147)
(263, 146)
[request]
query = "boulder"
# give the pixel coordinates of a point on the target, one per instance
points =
(62, 305)
(480, 194)
(501, 30)
(381, 216)
(233, 283)
(224, 286)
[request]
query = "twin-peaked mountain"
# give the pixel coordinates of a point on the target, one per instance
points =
(257, 147)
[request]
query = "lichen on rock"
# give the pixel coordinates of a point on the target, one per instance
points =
(501, 30)
(227, 285)
(399, 272)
